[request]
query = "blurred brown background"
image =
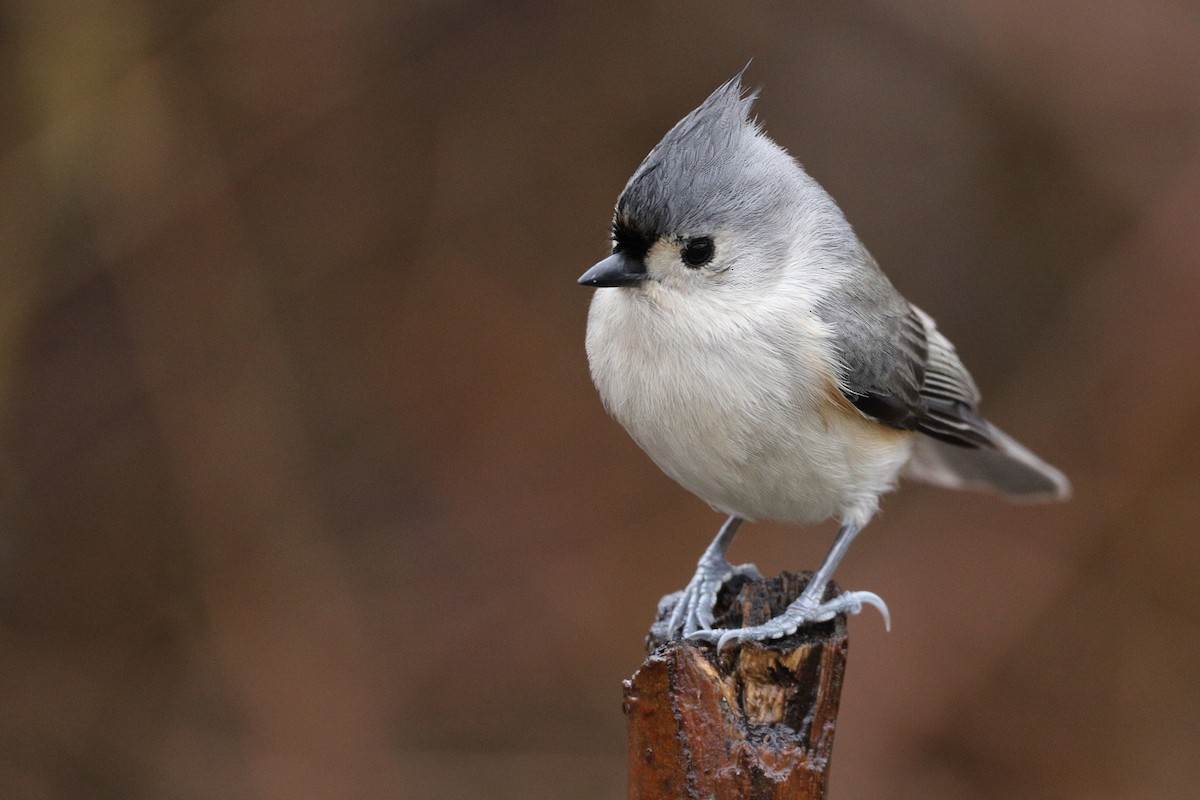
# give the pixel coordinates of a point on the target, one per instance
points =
(304, 488)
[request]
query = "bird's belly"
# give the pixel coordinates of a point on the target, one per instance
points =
(780, 464)
(748, 431)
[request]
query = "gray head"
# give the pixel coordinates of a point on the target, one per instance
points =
(713, 202)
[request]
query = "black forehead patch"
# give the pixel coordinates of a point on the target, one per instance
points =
(632, 236)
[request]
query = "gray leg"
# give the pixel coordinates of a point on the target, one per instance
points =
(693, 607)
(809, 606)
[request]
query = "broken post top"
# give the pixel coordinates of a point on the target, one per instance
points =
(755, 721)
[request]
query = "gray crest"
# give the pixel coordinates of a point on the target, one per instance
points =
(713, 168)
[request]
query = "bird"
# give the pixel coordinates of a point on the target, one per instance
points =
(749, 343)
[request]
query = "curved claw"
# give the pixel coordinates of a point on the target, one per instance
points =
(707, 635)
(724, 637)
(845, 603)
(871, 599)
(733, 636)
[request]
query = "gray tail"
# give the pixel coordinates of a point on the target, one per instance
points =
(1008, 467)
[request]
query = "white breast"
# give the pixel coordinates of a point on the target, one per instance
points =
(740, 406)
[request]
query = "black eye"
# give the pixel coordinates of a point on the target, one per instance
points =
(699, 251)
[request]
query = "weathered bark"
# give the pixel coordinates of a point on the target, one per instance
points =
(756, 721)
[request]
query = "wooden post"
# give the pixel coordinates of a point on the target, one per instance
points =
(755, 722)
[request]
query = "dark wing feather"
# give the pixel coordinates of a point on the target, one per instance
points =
(898, 369)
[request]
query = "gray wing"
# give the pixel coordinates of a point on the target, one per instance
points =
(897, 368)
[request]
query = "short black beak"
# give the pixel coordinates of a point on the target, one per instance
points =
(618, 269)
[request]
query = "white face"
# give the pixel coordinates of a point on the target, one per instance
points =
(717, 263)
(689, 264)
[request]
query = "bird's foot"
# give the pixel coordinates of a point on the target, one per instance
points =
(802, 612)
(690, 611)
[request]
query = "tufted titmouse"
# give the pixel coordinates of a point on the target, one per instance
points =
(752, 347)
